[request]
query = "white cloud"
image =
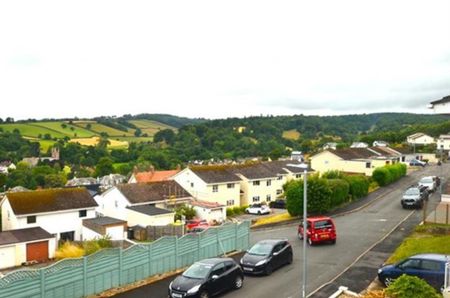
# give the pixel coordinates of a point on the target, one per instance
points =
(221, 58)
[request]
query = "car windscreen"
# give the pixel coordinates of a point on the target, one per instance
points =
(426, 180)
(197, 270)
(412, 191)
(261, 249)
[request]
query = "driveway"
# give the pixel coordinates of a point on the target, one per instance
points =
(366, 237)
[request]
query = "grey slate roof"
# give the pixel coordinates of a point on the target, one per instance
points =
(149, 210)
(442, 100)
(215, 174)
(153, 191)
(353, 153)
(23, 235)
(104, 221)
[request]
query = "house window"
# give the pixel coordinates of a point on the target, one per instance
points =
(279, 191)
(368, 165)
(31, 219)
(268, 182)
(116, 203)
(192, 184)
(82, 213)
(403, 158)
(215, 188)
(9, 215)
(256, 182)
(230, 185)
(230, 202)
(256, 199)
(268, 198)
(280, 177)
(298, 175)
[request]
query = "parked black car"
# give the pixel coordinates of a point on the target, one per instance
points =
(266, 255)
(414, 197)
(430, 267)
(280, 204)
(206, 278)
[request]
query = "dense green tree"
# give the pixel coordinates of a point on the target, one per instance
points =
(104, 167)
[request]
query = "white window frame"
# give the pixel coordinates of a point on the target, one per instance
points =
(230, 185)
(230, 202)
(256, 183)
(215, 188)
(268, 198)
(269, 182)
(256, 199)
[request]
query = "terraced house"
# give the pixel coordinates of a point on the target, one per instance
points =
(60, 211)
(238, 185)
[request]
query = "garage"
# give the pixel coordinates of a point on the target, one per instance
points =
(37, 251)
(21, 246)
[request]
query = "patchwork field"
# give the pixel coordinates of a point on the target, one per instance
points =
(70, 130)
(114, 144)
(31, 130)
(150, 127)
(292, 134)
(99, 128)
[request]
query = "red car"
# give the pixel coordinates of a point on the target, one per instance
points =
(320, 229)
(195, 223)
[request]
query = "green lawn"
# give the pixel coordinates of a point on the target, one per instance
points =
(30, 130)
(429, 238)
(45, 145)
(56, 125)
(134, 139)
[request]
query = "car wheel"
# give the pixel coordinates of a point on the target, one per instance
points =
(204, 294)
(310, 242)
(238, 282)
(388, 280)
(333, 241)
(269, 269)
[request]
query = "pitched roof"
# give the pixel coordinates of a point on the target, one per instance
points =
(149, 210)
(23, 235)
(50, 200)
(104, 221)
(402, 150)
(442, 100)
(260, 171)
(384, 151)
(353, 153)
(212, 174)
(416, 135)
(153, 191)
(153, 176)
(206, 204)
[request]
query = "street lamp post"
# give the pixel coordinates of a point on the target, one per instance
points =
(305, 223)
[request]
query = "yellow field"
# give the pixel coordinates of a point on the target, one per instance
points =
(292, 134)
(94, 141)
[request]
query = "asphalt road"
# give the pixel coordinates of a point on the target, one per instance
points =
(360, 234)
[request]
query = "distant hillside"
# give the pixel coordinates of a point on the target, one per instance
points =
(170, 120)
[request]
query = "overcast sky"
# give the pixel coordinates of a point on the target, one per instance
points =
(218, 59)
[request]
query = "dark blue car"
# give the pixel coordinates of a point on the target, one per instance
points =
(429, 267)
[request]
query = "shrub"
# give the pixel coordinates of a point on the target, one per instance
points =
(243, 209)
(339, 191)
(389, 173)
(407, 286)
(187, 211)
(333, 174)
(318, 192)
(90, 247)
(69, 250)
(230, 212)
(237, 210)
(359, 186)
(105, 241)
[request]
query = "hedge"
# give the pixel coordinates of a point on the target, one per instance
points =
(359, 186)
(389, 173)
(340, 191)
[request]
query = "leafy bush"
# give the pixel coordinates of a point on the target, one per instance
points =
(237, 210)
(90, 247)
(407, 286)
(230, 212)
(359, 186)
(69, 250)
(333, 174)
(389, 173)
(318, 192)
(187, 211)
(340, 191)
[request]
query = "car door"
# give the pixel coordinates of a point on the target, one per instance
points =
(217, 281)
(432, 273)
(410, 267)
(277, 255)
(229, 274)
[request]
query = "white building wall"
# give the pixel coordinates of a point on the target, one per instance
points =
(441, 108)
(9, 220)
(16, 254)
(89, 234)
(211, 214)
(56, 223)
(203, 191)
(112, 203)
(137, 218)
(116, 233)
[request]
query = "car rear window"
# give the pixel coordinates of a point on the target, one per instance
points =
(412, 191)
(323, 224)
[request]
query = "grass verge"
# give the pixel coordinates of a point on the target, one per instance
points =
(428, 238)
(273, 219)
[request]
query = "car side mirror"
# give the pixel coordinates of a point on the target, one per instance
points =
(214, 277)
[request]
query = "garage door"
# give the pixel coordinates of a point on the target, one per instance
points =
(7, 257)
(37, 251)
